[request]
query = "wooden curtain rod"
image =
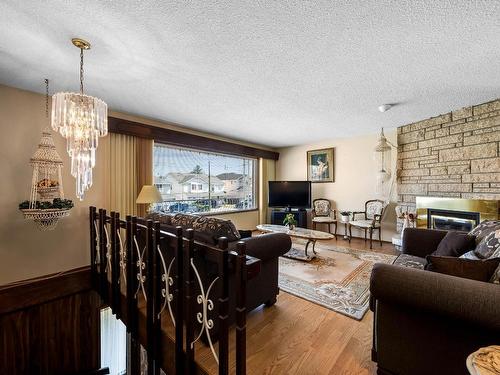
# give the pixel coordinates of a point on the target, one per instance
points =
(181, 139)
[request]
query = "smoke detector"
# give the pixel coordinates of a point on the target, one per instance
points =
(385, 107)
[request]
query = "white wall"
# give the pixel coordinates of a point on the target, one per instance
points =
(354, 174)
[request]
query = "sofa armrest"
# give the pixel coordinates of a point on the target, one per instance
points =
(421, 242)
(268, 246)
(431, 292)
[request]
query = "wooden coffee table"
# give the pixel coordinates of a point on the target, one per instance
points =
(308, 234)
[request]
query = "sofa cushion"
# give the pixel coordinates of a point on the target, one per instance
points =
(407, 260)
(207, 229)
(161, 217)
(217, 228)
(489, 247)
(496, 276)
(455, 244)
(183, 220)
(481, 270)
(470, 255)
(483, 230)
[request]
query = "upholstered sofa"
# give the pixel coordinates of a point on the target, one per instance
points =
(428, 322)
(262, 287)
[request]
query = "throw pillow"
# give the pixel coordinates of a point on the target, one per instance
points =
(496, 276)
(161, 217)
(184, 220)
(489, 247)
(217, 228)
(470, 255)
(484, 228)
(455, 244)
(481, 270)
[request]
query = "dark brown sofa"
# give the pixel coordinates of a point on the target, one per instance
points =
(262, 288)
(426, 322)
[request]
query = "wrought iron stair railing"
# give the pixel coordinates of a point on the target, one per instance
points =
(152, 281)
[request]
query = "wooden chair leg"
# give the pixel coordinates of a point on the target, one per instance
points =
(365, 235)
(335, 231)
(350, 233)
(371, 235)
(380, 235)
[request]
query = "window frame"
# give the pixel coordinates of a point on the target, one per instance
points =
(256, 184)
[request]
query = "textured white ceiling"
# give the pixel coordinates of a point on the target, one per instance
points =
(277, 73)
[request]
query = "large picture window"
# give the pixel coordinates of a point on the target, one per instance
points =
(197, 181)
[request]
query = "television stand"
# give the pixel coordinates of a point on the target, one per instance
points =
(277, 216)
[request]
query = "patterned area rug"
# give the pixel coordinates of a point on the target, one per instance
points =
(337, 278)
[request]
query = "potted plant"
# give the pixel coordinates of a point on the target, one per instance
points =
(290, 221)
(46, 213)
(344, 216)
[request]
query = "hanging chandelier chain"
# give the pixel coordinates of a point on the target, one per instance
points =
(81, 71)
(46, 98)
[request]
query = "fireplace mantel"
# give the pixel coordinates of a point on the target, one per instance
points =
(487, 209)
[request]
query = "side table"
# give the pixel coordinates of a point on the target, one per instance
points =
(484, 361)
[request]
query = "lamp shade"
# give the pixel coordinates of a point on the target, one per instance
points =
(149, 194)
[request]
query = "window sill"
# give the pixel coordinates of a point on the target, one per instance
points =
(225, 212)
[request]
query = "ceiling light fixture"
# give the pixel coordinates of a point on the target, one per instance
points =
(81, 119)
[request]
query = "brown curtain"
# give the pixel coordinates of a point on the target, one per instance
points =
(130, 167)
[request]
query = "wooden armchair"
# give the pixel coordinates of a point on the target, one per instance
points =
(322, 213)
(371, 219)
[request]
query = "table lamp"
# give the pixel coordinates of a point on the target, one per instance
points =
(149, 194)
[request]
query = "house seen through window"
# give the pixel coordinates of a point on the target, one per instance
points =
(196, 181)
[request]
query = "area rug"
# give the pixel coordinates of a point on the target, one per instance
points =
(338, 278)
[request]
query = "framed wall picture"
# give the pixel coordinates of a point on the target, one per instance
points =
(320, 165)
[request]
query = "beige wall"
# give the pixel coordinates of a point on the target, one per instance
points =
(354, 174)
(25, 251)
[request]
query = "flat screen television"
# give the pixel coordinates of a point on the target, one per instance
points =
(290, 194)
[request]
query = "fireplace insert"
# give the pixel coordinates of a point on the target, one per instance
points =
(462, 221)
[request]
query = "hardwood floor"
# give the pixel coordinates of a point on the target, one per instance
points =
(296, 336)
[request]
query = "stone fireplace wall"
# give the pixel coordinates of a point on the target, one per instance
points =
(452, 155)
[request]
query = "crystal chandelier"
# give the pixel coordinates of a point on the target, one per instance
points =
(81, 119)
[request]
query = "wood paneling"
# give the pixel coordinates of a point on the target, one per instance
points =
(176, 138)
(50, 326)
(24, 294)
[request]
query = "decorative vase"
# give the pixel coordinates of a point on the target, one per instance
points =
(344, 218)
(291, 226)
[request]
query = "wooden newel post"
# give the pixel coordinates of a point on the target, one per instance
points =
(93, 247)
(157, 334)
(241, 310)
(132, 284)
(149, 294)
(189, 298)
(223, 307)
(103, 282)
(114, 263)
(178, 298)
(117, 267)
(130, 271)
